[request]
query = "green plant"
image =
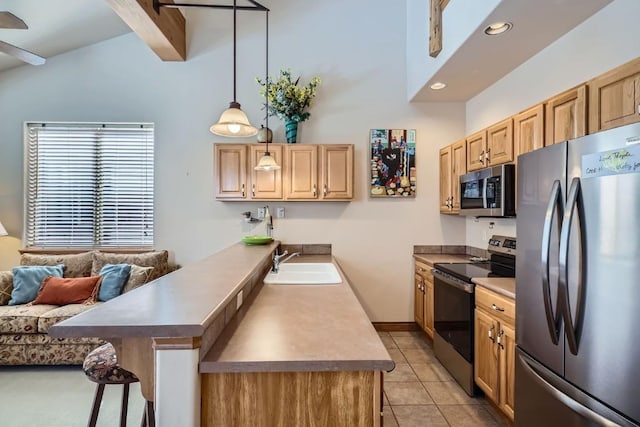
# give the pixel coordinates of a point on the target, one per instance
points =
(287, 100)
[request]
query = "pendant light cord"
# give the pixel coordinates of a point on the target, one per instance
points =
(266, 97)
(235, 11)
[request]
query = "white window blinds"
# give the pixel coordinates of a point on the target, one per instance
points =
(89, 185)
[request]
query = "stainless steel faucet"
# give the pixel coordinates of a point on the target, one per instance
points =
(276, 259)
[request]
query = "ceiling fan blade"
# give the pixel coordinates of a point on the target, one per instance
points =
(23, 55)
(10, 21)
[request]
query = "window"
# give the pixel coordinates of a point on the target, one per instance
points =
(88, 185)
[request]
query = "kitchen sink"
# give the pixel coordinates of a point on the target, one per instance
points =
(321, 273)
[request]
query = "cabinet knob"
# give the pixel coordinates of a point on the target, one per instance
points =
(500, 334)
(482, 157)
(315, 191)
(253, 190)
(324, 190)
(493, 327)
(242, 190)
(486, 155)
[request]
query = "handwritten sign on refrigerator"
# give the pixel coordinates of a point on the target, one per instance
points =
(613, 162)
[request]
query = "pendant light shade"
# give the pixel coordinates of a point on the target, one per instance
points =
(267, 163)
(233, 122)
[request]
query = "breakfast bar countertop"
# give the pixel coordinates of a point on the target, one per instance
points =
(181, 304)
(300, 328)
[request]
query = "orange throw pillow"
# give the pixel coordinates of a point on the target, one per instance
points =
(72, 290)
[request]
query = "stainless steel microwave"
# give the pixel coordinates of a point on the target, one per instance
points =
(489, 192)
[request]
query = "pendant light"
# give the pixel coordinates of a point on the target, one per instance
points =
(267, 162)
(233, 121)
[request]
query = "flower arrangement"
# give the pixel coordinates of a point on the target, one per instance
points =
(287, 100)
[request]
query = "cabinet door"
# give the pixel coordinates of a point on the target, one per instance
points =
(507, 369)
(428, 304)
(500, 142)
(301, 172)
(418, 305)
(486, 354)
(614, 98)
(476, 151)
(337, 171)
(566, 116)
(230, 162)
(265, 184)
(528, 130)
(445, 179)
(459, 167)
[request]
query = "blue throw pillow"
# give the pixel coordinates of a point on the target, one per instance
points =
(27, 280)
(114, 276)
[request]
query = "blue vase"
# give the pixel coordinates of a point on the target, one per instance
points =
(291, 131)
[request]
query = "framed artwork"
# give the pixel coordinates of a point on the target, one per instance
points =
(392, 163)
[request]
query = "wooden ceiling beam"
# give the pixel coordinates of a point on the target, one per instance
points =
(163, 32)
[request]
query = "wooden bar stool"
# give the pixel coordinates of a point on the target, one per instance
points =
(101, 367)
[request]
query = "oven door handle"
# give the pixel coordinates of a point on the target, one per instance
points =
(466, 287)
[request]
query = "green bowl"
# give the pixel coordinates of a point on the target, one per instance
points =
(256, 240)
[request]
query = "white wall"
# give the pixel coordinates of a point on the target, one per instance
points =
(356, 47)
(601, 43)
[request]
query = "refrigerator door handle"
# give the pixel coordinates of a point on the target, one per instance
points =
(553, 207)
(574, 202)
(574, 405)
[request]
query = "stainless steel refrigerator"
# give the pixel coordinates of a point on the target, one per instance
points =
(578, 282)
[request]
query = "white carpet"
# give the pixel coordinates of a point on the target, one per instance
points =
(60, 396)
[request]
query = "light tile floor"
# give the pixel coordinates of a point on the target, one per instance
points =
(419, 392)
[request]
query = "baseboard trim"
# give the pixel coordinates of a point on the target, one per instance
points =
(396, 326)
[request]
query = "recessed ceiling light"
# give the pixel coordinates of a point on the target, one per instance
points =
(438, 86)
(498, 28)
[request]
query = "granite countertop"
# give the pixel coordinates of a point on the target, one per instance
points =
(300, 328)
(501, 285)
(181, 304)
(431, 259)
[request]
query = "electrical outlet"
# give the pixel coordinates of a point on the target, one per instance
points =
(239, 300)
(261, 213)
(280, 213)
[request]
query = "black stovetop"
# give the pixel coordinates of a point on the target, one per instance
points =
(467, 271)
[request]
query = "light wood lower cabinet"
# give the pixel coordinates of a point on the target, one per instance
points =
(291, 399)
(423, 293)
(494, 359)
(310, 172)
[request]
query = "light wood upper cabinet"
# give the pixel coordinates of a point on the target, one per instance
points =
(459, 164)
(445, 179)
(308, 172)
(495, 356)
(319, 172)
(614, 97)
(265, 184)
(453, 163)
(336, 171)
(500, 143)
(566, 116)
(528, 130)
(301, 178)
(476, 151)
(230, 162)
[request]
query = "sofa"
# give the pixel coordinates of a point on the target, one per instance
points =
(23, 327)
